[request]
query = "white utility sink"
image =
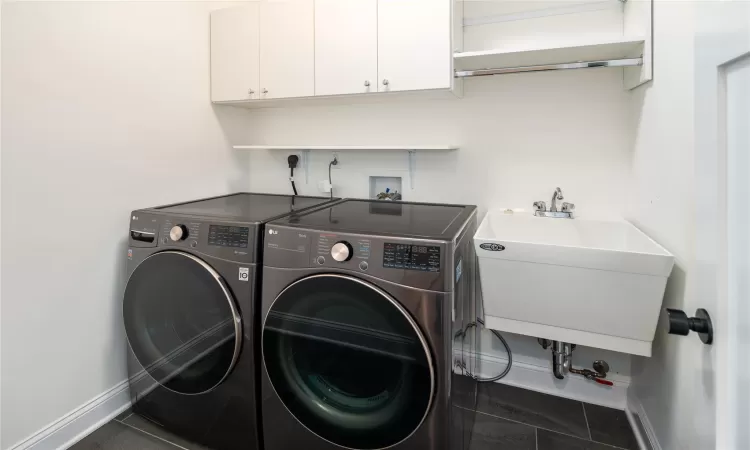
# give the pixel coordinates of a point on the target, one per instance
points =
(587, 282)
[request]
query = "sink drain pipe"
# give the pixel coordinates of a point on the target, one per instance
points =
(562, 355)
(562, 363)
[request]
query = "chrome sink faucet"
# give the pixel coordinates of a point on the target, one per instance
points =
(557, 195)
(540, 208)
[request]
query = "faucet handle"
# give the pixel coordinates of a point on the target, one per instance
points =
(540, 206)
(568, 207)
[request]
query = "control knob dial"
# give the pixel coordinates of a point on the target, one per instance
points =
(341, 251)
(178, 233)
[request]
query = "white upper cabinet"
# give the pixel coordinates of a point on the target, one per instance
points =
(273, 49)
(414, 45)
(235, 46)
(346, 46)
(287, 49)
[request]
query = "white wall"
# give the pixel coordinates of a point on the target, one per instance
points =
(520, 136)
(676, 388)
(663, 206)
(105, 109)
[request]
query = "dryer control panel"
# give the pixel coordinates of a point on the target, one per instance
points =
(418, 262)
(336, 250)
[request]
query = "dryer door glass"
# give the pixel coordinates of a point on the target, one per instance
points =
(348, 361)
(181, 322)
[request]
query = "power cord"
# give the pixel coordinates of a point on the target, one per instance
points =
(334, 162)
(292, 160)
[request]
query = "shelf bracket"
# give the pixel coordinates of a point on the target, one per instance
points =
(412, 166)
(306, 164)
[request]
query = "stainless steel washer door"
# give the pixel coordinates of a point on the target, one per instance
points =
(181, 322)
(348, 361)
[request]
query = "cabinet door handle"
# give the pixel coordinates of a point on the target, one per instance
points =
(367, 83)
(265, 91)
(385, 82)
(250, 91)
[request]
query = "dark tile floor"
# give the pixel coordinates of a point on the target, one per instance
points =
(508, 418)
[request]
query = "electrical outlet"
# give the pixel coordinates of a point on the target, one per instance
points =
(293, 161)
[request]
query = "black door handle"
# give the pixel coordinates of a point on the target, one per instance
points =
(681, 324)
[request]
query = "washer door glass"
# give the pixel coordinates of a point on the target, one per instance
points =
(181, 322)
(348, 361)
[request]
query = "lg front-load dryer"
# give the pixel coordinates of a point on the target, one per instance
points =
(189, 312)
(365, 310)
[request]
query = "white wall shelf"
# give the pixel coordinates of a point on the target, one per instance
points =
(569, 53)
(338, 148)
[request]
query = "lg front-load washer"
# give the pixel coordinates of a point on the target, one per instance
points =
(189, 312)
(365, 312)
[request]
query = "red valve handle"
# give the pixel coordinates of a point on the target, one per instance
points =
(604, 382)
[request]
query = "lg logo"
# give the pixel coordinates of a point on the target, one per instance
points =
(273, 232)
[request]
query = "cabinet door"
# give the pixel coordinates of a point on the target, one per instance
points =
(414, 45)
(346, 46)
(287, 49)
(235, 53)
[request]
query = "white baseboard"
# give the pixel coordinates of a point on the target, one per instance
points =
(540, 379)
(80, 422)
(83, 420)
(635, 408)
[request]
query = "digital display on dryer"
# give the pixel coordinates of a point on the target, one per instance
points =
(412, 257)
(226, 236)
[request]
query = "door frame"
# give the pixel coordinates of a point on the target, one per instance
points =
(717, 48)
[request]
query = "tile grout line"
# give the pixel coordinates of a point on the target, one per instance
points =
(541, 428)
(123, 419)
(586, 418)
(584, 440)
(519, 422)
(153, 435)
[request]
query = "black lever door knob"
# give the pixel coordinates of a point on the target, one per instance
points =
(681, 324)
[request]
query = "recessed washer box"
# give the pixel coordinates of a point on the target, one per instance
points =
(587, 282)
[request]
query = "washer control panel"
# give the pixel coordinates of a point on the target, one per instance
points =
(228, 236)
(176, 231)
(233, 242)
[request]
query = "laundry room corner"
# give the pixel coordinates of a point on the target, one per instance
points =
(105, 125)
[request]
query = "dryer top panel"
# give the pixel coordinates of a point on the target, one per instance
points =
(386, 218)
(245, 207)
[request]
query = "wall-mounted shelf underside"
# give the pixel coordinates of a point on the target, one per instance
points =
(347, 147)
(544, 56)
(411, 151)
